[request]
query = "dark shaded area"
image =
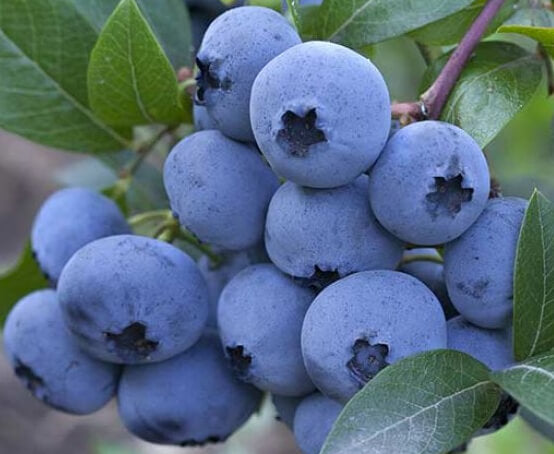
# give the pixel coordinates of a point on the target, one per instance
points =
(299, 133)
(319, 280)
(194, 443)
(368, 360)
(32, 381)
(132, 342)
(507, 408)
(448, 196)
(240, 361)
(208, 79)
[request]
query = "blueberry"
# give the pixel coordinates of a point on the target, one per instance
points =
(286, 408)
(430, 183)
(479, 265)
(362, 323)
(313, 421)
(321, 114)
(311, 231)
(260, 316)
(236, 46)
(538, 424)
(132, 299)
(430, 273)
(188, 400)
(493, 347)
(69, 219)
(46, 358)
(218, 276)
(202, 119)
(220, 189)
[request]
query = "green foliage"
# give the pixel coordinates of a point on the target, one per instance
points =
(499, 80)
(544, 35)
(533, 17)
(531, 383)
(294, 9)
(45, 46)
(25, 277)
(534, 281)
(452, 28)
(428, 403)
(360, 22)
(130, 80)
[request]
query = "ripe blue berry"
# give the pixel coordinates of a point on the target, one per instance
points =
(321, 114)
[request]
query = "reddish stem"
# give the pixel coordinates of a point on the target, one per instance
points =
(435, 98)
(410, 110)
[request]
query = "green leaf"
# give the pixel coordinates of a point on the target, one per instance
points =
(531, 383)
(534, 281)
(294, 9)
(357, 23)
(309, 21)
(533, 17)
(170, 23)
(451, 29)
(428, 403)
(544, 35)
(498, 81)
(130, 80)
(25, 277)
(44, 49)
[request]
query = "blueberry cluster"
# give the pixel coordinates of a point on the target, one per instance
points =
(345, 249)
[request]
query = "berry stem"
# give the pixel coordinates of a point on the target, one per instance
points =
(408, 110)
(189, 238)
(422, 258)
(435, 97)
(149, 216)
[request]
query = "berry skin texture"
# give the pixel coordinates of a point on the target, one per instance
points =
(188, 400)
(313, 421)
(430, 183)
(260, 316)
(479, 265)
(330, 230)
(48, 361)
(321, 114)
(131, 300)
(431, 274)
(236, 46)
(218, 277)
(286, 408)
(219, 189)
(202, 119)
(493, 347)
(68, 220)
(360, 324)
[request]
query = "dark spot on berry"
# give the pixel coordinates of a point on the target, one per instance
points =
(367, 360)
(503, 414)
(299, 133)
(31, 380)
(447, 196)
(208, 440)
(208, 79)
(240, 361)
(319, 280)
(132, 343)
(475, 289)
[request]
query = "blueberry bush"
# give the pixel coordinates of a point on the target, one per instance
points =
(280, 223)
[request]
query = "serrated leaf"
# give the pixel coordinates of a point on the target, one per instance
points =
(357, 23)
(452, 28)
(531, 383)
(44, 49)
(25, 277)
(498, 81)
(544, 35)
(534, 281)
(428, 403)
(130, 80)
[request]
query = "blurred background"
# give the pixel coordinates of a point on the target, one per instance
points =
(521, 158)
